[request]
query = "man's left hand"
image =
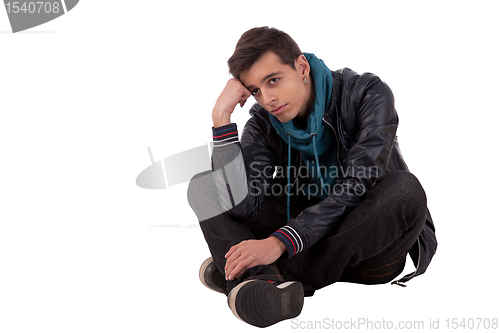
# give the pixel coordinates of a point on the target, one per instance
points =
(252, 253)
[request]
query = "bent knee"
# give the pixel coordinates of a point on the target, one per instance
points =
(200, 186)
(407, 185)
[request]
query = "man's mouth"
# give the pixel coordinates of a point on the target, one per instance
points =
(279, 109)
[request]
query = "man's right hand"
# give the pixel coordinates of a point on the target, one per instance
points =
(234, 93)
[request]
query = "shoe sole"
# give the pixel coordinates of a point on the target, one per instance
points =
(260, 303)
(203, 268)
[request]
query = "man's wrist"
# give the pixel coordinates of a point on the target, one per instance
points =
(220, 118)
(290, 238)
(220, 123)
(279, 244)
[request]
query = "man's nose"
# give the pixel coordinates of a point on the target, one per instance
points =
(268, 97)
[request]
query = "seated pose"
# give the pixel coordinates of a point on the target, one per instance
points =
(315, 192)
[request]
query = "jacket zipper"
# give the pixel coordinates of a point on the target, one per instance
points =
(411, 275)
(337, 137)
(296, 175)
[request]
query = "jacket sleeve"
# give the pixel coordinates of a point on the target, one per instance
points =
(366, 159)
(242, 183)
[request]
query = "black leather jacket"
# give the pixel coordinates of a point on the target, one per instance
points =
(364, 120)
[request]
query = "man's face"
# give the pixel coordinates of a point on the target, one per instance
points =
(279, 88)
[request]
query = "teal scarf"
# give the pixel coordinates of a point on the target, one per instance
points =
(315, 139)
(302, 139)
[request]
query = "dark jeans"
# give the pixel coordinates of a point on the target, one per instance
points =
(369, 247)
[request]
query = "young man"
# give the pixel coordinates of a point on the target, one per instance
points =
(316, 190)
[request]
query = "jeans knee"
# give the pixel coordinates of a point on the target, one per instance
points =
(203, 196)
(199, 187)
(415, 189)
(408, 186)
(403, 191)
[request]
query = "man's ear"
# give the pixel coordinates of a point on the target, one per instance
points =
(302, 65)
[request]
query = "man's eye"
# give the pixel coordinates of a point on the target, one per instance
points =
(274, 80)
(255, 92)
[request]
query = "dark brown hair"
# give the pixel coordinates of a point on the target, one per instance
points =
(258, 41)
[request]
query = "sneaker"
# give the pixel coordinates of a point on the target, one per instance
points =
(211, 277)
(264, 303)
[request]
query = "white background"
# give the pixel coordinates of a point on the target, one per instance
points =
(83, 249)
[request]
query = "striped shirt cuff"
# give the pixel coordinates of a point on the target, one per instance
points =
(225, 135)
(288, 236)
